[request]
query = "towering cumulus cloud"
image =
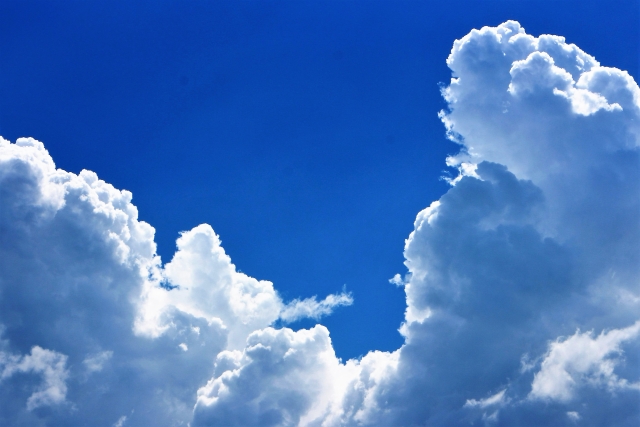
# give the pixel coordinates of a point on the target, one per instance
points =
(522, 289)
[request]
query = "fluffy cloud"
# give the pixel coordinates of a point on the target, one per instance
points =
(95, 330)
(281, 378)
(537, 238)
(75, 261)
(206, 285)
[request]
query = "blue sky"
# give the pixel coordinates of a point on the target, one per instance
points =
(307, 135)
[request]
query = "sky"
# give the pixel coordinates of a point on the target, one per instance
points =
(320, 213)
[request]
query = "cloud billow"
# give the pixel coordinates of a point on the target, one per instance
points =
(522, 284)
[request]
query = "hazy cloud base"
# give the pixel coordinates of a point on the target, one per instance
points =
(523, 299)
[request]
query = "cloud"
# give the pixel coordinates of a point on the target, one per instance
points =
(535, 242)
(75, 260)
(582, 360)
(313, 309)
(573, 416)
(536, 238)
(207, 285)
(50, 365)
(85, 297)
(281, 378)
(496, 399)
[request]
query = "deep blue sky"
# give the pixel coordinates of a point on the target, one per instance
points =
(305, 133)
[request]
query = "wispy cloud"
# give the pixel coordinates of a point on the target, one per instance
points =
(312, 308)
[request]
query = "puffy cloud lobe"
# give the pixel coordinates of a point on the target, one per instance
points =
(481, 278)
(479, 222)
(208, 286)
(369, 386)
(282, 378)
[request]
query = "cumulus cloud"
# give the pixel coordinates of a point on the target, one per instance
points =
(74, 261)
(537, 238)
(207, 285)
(102, 325)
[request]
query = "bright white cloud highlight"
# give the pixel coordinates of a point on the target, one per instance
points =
(281, 378)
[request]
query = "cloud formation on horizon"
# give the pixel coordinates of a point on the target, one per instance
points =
(522, 282)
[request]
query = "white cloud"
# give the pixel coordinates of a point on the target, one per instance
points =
(74, 260)
(397, 280)
(489, 407)
(50, 365)
(313, 309)
(580, 360)
(282, 378)
(79, 273)
(207, 285)
(369, 384)
(537, 241)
